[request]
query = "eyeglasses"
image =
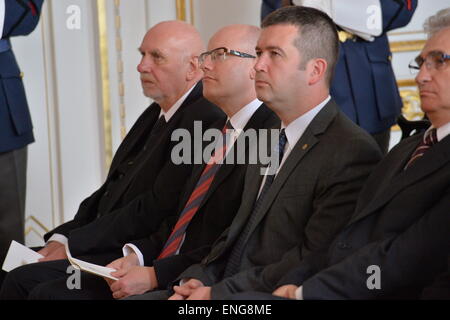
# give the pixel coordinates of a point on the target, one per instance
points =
(433, 60)
(222, 53)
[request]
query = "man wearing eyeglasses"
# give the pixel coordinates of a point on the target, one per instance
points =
(324, 160)
(398, 239)
(212, 194)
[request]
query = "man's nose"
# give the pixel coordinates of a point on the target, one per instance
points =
(261, 64)
(423, 75)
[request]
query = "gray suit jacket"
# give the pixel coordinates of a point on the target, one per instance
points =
(310, 200)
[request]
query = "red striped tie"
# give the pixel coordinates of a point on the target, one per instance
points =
(428, 140)
(191, 207)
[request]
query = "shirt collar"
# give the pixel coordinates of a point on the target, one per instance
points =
(2, 17)
(174, 108)
(441, 132)
(297, 127)
(240, 119)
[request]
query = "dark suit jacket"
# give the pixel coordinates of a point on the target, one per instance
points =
(440, 288)
(310, 200)
(400, 224)
(214, 215)
(15, 121)
(137, 221)
(152, 172)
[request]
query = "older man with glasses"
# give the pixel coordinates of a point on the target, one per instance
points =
(211, 196)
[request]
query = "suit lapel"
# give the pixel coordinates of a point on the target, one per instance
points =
(135, 135)
(253, 181)
(154, 146)
(255, 122)
(431, 161)
(310, 137)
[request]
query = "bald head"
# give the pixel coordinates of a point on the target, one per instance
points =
(169, 65)
(238, 37)
(178, 35)
(229, 79)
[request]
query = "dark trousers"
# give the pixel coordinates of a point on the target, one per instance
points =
(53, 280)
(13, 173)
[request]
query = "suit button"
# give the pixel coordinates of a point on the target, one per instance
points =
(121, 176)
(343, 245)
(106, 193)
(130, 163)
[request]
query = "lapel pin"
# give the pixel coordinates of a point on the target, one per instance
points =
(305, 146)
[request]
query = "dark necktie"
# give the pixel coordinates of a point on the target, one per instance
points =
(159, 125)
(234, 259)
(429, 139)
(201, 188)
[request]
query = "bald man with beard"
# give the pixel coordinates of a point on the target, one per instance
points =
(142, 165)
(212, 194)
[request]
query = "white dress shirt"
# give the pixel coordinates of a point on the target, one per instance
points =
(442, 131)
(167, 115)
(238, 121)
(293, 132)
(2, 17)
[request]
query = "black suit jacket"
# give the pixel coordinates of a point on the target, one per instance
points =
(310, 200)
(400, 225)
(152, 171)
(215, 213)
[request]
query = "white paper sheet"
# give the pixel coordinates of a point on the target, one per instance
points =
(90, 267)
(19, 255)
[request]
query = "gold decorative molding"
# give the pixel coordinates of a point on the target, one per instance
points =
(29, 229)
(411, 104)
(35, 220)
(410, 99)
(405, 46)
(121, 83)
(104, 66)
(191, 6)
(407, 83)
(401, 33)
(181, 10)
(51, 98)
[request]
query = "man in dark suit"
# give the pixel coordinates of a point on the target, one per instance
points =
(16, 131)
(397, 241)
(142, 161)
(169, 74)
(364, 85)
(214, 191)
(325, 158)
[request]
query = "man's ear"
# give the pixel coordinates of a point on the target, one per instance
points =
(193, 68)
(316, 70)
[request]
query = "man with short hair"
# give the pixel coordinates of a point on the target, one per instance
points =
(324, 160)
(212, 194)
(398, 239)
(141, 166)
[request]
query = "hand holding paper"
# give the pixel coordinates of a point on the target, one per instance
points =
(90, 267)
(19, 255)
